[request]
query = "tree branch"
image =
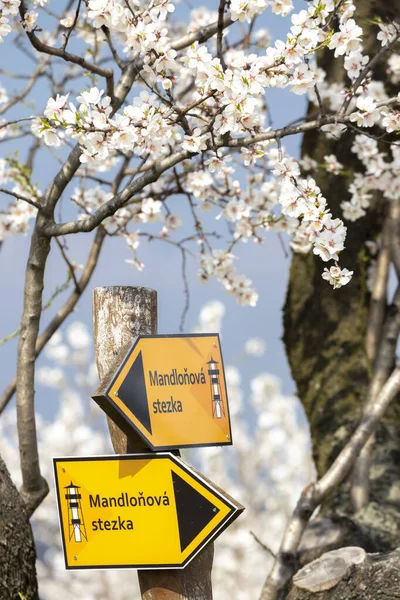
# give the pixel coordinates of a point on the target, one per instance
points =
(105, 72)
(71, 268)
(34, 486)
(384, 363)
(315, 493)
(377, 306)
(109, 208)
(220, 33)
(64, 311)
(19, 197)
(8, 123)
(40, 69)
(157, 169)
(70, 30)
(394, 221)
(365, 72)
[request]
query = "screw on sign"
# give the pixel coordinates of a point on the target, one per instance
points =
(147, 511)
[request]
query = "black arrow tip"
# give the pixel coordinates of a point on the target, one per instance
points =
(132, 393)
(194, 511)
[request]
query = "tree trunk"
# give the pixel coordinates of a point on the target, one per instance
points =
(17, 548)
(325, 333)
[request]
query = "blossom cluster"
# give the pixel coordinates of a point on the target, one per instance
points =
(187, 101)
(8, 8)
(302, 199)
(220, 264)
(142, 127)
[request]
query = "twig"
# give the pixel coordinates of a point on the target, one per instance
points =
(40, 69)
(70, 30)
(105, 72)
(319, 99)
(8, 123)
(281, 240)
(314, 494)
(10, 336)
(263, 546)
(64, 311)
(364, 73)
(137, 169)
(45, 306)
(186, 291)
(220, 33)
(377, 138)
(114, 52)
(71, 268)
(19, 197)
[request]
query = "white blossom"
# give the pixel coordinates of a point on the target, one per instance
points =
(337, 277)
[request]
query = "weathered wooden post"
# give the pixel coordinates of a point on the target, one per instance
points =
(120, 315)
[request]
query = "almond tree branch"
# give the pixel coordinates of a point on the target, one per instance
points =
(71, 268)
(19, 197)
(64, 311)
(70, 30)
(302, 128)
(109, 208)
(381, 345)
(40, 69)
(8, 123)
(359, 492)
(105, 72)
(220, 33)
(395, 234)
(384, 363)
(314, 494)
(378, 298)
(157, 169)
(365, 72)
(34, 486)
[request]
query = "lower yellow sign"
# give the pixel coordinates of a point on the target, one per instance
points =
(142, 511)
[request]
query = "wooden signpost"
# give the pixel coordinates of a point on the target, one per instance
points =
(138, 508)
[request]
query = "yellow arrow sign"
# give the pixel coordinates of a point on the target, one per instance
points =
(147, 511)
(171, 390)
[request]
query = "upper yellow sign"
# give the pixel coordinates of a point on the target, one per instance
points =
(172, 390)
(147, 511)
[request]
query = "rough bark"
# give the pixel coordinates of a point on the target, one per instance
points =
(120, 315)
(325, 340)
(17, 548)
(34, 487)
(378, 578)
